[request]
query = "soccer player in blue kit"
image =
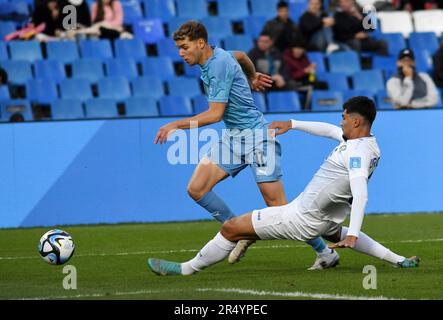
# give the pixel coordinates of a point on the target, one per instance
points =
(228, 78)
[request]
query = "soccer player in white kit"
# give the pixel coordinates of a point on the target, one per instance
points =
(338, 189)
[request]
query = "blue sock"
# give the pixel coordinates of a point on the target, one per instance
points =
(317, 244)
(216, 206)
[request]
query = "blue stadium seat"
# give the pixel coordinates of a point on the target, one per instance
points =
(18, 71)
(134, 48)
(124, 67)
(240, 42)
(284, 101)
(149, 30)
(11, 107)
(147, 86)
(192, 71)
(163, 9)
(67, 109)
(114, 88)
(41, 91)
(200, 104)
(3, 51)
(371, 80)
(175, 106)
(423, 41)
(383, 100)
(185, 87)
(63, 51)
(423, 60)
(75, 89)
(218, 27)
(386, 64)
(4, 92)
(49, 69)
(264, 8)
(141, 107)
(395, 41)
(161, 67)
(253, 25)
(319, 59)
(7, 27)
(25, 50)
(336, 81)
(346, 62)
(348, 94)
(327, 101)
(233, 9)
(96, 49)
(259, 100)
(175, 23)
(101, 108)
(166, 48)
(132, 11)
(89, 69)
(192, 9)
(297, 8)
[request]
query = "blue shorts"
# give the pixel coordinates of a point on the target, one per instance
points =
(241, 148)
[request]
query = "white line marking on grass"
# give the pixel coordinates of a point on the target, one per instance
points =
(257, 247)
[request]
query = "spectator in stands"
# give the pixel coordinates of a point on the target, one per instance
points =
(282, 29)
(47, 12)
(315, 25)
(409, 89)
(349, 30)
(380, 5)
(3, 77)
(268, 60)
(438, 66)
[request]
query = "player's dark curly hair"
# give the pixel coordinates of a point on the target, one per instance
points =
(363, 106)
(194, 30)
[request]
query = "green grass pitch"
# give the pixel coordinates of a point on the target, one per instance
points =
(111, 264)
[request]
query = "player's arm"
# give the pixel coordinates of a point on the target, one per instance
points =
(257, 81)
(322, 129)
(212, 115)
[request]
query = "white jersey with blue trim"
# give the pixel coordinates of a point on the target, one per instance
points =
(328, 195)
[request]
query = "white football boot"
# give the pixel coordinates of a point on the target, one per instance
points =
(239, 251)
(326, 260)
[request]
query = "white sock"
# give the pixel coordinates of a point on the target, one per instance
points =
(369, 246)
(214, 251)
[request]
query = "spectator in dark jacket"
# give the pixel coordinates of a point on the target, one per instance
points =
(349, 30)
(48, 12)
(282, 29)
(438, 67)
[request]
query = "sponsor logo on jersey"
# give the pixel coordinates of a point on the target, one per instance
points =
(355, 163)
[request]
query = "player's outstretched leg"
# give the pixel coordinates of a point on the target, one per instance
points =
(326, 257)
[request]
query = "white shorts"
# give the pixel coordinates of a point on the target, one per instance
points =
(287, 222)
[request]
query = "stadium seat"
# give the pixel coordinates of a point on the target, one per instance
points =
(134, 49)
(101, 108)
(3, 51)
(423, 60)
(336, 81)
(424, 41)
(75, 89)
(7, 27)
(175, 106)
(25, 50)
(114, 88)
(96, 49)
(67, 109)
(141, 107)
(192, 9)
(88, 69)
(147, 86)
(132, 11)
(175, 23)
(192, 71)
(346, 62)
(166, 48)
(200, 104)
(383, 101)
(41, 91)
(297, 8)
(185, 87)
(371, 80)
(395, 42)
(283, 101)
(218, 27)
(240, 42)
(4, 92)
(50, 69)
(253, 25)
(327, 101)
(387, 64)
(161, 67)
(124, 67)
(149, 30)
(63, 51)
(233, 9)
(428, 21)
(18, 71)
(396, 21)
(348, 94)
(163, 9)
(259, 100)
(319, 59)
(264, 8)
(11, 107)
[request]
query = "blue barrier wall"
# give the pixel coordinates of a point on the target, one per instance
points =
(83, 172)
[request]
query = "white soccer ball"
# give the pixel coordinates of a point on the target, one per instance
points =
(56, 246)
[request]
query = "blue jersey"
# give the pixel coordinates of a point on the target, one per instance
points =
(224, 81)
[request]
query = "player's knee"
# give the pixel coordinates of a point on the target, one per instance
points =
(195, 192)
(229, 230)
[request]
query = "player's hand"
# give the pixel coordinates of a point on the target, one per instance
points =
(261, 82)
(279, 127)
(348, 242)
(164, 132)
